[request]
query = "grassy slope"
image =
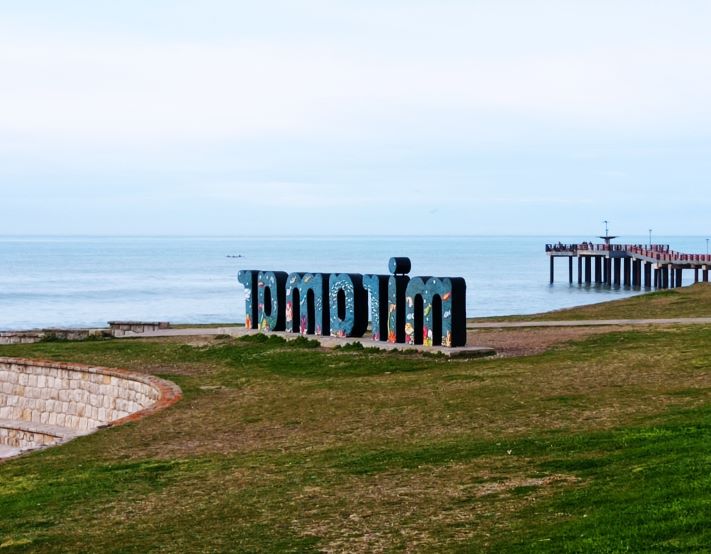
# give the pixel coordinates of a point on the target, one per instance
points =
(598, 446)
(692, 301)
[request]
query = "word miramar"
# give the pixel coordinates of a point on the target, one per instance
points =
(420, 310)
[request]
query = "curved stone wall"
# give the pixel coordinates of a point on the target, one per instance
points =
(45, 403)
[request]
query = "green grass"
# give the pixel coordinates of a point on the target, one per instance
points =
(647, 489)
(691, 301)
(595, 446)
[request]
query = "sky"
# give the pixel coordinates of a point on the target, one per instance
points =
(326, 118)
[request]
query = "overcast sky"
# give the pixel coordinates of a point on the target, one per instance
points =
(368, 117)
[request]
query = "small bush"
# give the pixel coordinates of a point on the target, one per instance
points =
(303, 342)
(95, 337)
(350, 346)
(53, 337)
(261, 338)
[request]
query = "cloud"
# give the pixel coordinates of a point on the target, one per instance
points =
(479, 112)
(61, 88)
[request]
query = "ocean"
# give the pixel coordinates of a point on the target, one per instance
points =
(88, 281)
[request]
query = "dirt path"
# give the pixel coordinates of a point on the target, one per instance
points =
(521, 341)
(590, 323)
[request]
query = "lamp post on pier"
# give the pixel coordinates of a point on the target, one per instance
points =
(650, 239)
(605, 261)
(607, 237)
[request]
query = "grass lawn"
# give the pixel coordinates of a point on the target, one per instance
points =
(596, 445)
(692, 301)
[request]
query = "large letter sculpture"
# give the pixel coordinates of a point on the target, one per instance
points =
(271, 300)
(436, 311)
(422, 310)
(348, 303)
(248, 278)
(312, 315)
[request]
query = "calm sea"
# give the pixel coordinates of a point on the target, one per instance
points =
(87, 281)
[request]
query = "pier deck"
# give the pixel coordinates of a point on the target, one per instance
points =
(631, 265)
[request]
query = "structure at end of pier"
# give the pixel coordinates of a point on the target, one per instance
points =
(630, 265)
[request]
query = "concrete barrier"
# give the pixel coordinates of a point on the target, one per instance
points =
(127, 328)
(44, 403)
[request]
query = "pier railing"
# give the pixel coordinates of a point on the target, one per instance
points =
(655, 265)
(658, 252)
(669, 256)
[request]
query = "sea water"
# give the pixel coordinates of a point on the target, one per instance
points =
(87, 281)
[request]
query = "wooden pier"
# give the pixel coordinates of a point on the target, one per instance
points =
(629, 265)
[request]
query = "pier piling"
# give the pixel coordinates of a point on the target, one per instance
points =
(635, 265)
(627, 263)
(648, 275)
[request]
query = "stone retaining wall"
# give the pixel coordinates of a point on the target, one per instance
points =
(44, 403)
(29, 337)
(20, 337)
(116, 329)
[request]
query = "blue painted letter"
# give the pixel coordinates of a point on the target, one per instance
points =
(348, 303)
(248, 277)
(270, 299)
(436, 311)
(307, 304)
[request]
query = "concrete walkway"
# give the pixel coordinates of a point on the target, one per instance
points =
(8, 451)
(238, 331)
(589, 323)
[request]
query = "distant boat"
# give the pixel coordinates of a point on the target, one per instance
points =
(235, 256)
